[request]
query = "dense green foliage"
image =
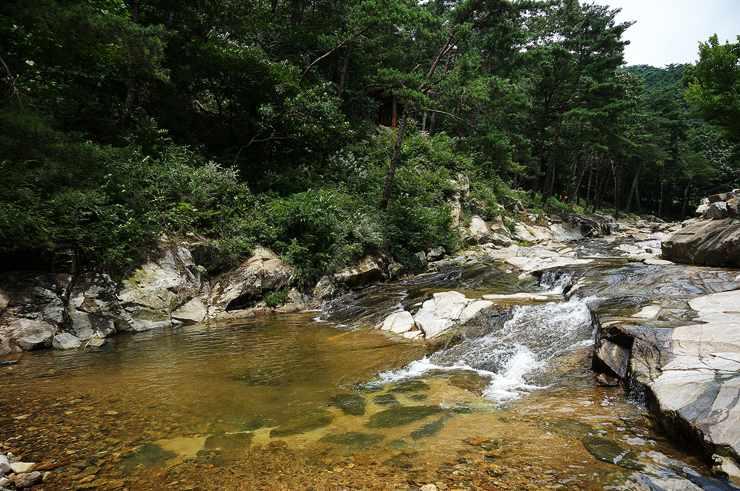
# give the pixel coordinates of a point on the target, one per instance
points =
(238, 123)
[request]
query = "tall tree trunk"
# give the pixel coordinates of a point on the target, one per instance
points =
(551, 171)
(616, 189)
(638, 201)
(600, 184)
(393, 165)
(685, 203)
(394, 113)
(343, 74)
(633, 188)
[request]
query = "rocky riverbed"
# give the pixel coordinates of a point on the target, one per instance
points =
(475, 374)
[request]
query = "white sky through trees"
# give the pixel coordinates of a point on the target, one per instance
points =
(669, 31)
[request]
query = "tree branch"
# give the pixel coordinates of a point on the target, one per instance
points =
(331, 51)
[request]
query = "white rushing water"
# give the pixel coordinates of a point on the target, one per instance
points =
(511, 351)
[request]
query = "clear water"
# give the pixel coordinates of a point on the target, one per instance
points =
(284, 402)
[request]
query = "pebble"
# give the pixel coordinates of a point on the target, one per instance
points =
(428, 487)
(21, 467)
(27, 479)
(4, 465)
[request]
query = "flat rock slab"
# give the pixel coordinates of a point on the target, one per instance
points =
(699, 374)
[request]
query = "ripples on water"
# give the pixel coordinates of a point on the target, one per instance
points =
(512, 350)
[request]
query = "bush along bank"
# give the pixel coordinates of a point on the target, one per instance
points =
(80, 307)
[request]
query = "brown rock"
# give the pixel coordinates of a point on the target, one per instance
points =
(27, 479)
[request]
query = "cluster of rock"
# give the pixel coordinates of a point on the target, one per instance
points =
(436, 316)
(711, 240)
(558, 229)
(719, 206)
(18, 475)
(691, 372)
(66, 311)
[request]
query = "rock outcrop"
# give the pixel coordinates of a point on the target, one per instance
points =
(481, 232)
(706, 243)
(71, 311)
(32, 310)
(712, 240)
(690, 372)
(367, 270)
(158, 288)
(242, 288)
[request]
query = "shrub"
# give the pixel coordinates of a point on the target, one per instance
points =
(322, 230)
(276, 298)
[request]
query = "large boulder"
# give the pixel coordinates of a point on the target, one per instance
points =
(717, 211)
(66, 341)
(94, 308)
(445, 310)
(706, 243)
(30, 334)
(461, 192)
(193, 311)
(242, 288)
(31, 310)
(531, 233)
(481, 232)
(401, 323)
(478, 230)
(159, 287)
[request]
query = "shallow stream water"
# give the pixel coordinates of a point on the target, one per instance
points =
(289, 402)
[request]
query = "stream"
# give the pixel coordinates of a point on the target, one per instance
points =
(322, 400)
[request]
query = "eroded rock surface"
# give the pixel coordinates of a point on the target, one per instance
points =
(692, 371)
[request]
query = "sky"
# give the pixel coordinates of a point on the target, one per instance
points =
(669, 31)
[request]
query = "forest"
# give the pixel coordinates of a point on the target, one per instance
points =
(327, 129)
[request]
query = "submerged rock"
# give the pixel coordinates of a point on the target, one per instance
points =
(410, 386)
(147, 455)
(353, 404)
(400, 416)
(429, 429)
(302, 424)
(228, 441)
(608, 451)
(386, 400)
(354, 439)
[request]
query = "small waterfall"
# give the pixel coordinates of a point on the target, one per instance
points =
(514, 350)
(556, 281)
